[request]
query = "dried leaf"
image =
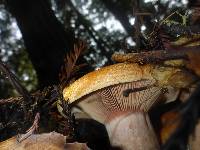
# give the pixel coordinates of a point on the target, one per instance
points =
(170, 122)
(45, 141)
(194, 140)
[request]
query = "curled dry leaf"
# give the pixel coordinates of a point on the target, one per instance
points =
(170, 121)
(45, 141)
(194, 140)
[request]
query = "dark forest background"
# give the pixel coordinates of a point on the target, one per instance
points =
(35, 35)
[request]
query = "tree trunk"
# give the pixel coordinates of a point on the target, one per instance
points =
(116, 9)
(44, 36)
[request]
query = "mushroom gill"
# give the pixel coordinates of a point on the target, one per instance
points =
(124, 113)
(137, 95)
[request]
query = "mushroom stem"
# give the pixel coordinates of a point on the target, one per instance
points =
(132, 131)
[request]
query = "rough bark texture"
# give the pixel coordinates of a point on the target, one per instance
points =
(44, 37)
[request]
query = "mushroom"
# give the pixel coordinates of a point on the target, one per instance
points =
(120, 96)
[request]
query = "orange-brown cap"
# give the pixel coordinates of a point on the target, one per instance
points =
(105, 77)
(121, 73)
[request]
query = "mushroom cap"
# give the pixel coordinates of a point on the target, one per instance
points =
(124, 73)
(105, 77)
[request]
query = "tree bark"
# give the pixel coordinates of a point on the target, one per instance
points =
(119, 13)
(45, 38)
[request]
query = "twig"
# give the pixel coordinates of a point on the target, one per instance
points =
(31, 130)
(133, 90)
(143, 14)
(16, 84)
(137, 24)
(70, 126)
(167, 17)
(14, 81)
(150, 57)
(10, 100)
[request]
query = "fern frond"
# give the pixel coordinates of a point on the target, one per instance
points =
(69, 68)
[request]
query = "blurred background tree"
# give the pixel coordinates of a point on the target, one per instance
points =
(36, 34)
